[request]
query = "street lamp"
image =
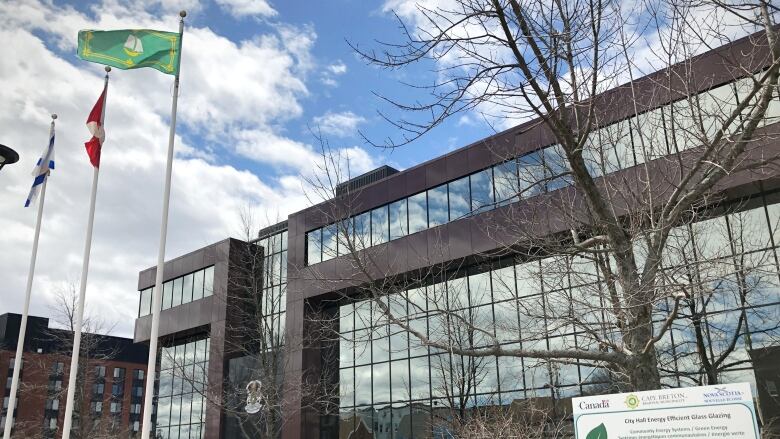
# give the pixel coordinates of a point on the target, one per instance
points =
(7, 156)
(254, 399)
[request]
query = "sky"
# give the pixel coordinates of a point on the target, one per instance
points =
(258, 77)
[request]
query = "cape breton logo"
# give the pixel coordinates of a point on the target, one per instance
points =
(632, 401)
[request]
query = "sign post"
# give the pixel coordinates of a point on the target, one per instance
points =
(718, 411)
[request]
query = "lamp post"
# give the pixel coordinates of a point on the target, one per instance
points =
(7, 156)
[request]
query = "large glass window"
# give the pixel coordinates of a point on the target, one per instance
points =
(183, 370)
(181, 290)
(622, 144)
(542, 304)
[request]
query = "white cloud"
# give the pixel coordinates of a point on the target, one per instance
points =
(343, 124)
(331, 71)
(245, 8)
(234, 94)
(337, 68)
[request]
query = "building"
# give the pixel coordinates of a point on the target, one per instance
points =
(442, 244)
(111, 397)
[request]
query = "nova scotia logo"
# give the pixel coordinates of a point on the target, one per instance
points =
(722, 394)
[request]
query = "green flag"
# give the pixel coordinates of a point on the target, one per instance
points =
(132, 49)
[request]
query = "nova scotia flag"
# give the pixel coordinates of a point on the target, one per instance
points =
(41, 171)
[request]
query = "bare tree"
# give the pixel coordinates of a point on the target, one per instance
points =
(610, 274)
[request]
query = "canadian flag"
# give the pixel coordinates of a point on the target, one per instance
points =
(95, 127)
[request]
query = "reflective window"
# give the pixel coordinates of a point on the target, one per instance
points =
(482, 191)
(460, 198)
(531, 174)
(177, 293)
(418, 212)
(437, 206)
(182, 381)
(186, 288)
(506, 183)
(329, 242)
(362, 232)
(314, 246)
(399, 225)
(380, 227)
(181, 290)
(208, 281)
(145, 306)
(197, 285)
(622, 144)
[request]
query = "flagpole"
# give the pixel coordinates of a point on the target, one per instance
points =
(9, 418)
(151, 368)
(74, 358)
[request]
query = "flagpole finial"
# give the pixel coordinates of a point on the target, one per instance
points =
(182, 13)
(54, 116)
(108, 69)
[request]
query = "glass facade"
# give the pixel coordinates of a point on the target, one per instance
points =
(630, 142)
(181, 290)
(181, 402)
(397, 388)
(274, 281)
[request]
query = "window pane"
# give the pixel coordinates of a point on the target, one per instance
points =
(186, 289)
(418, 216)
(400, 380)
(398, 219)
(314, 246)
(197, 287)
(531, 174)
(146, 302)
(380, 228)
(437, 206)
(381, 375)
(362, 231)
(459, 198)
(481, 191)
(329, 235)
(345, 229)
(556, 163)
(176, 292)
(208, 282)
(505, 176)
(166, 302)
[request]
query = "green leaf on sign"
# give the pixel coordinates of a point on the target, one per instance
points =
(599, 432)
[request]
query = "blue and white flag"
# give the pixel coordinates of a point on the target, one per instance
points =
(41, 171)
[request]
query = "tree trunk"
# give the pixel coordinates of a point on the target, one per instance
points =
(642, 370)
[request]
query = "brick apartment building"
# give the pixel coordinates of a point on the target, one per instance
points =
(110, 394)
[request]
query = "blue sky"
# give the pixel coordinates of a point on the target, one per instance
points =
(256, 76)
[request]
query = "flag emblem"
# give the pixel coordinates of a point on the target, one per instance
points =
(95, 127)
(42, 168)
(132, 49)
(133, 46)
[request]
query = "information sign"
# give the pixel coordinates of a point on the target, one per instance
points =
(720, 411)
